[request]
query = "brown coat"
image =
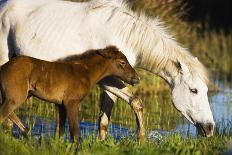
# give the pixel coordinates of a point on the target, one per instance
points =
(65, 83)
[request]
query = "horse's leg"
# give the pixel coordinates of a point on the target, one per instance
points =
(61, 115)
(72, 108)
(135, 103)
(4, 33)
(106, 105)
(117, 87)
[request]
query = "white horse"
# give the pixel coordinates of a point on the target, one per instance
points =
(52, 29)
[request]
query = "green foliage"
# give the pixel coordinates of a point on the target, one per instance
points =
(174, 144)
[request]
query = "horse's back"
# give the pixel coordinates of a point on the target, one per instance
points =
(41, 28)
(23, 9)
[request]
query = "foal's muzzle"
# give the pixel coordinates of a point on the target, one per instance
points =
(205, 129)
(135, 80)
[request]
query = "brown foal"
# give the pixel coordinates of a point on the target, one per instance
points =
(64, 83)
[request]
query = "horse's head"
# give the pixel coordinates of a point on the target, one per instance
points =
(190, 98)
(119, 65)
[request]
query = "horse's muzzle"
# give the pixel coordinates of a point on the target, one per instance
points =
(205, 129)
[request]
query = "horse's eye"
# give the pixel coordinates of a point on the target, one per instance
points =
(194, 90)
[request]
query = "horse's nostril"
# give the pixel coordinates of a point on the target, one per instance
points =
(210, 127)
(207, 128)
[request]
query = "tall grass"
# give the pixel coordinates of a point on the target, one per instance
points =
(214, 50)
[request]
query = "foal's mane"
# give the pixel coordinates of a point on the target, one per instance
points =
(76, 57)
(109, 50)
(156, 48)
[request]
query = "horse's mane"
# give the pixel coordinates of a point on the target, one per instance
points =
(138, 31)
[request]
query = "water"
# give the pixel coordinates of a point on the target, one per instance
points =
(47, 128)
(221, 105)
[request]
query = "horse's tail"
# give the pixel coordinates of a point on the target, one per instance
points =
(4, 20)
(3, 7)
(1, 97)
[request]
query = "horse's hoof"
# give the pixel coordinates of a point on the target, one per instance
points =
(137, 104)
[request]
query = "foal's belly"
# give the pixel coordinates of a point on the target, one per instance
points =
(49, 81)
(48, 93)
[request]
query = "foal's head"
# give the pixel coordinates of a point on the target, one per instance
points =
(119, 65)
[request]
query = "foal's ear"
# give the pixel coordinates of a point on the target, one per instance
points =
(109, 52)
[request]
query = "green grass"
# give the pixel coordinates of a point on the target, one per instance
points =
(173, 144)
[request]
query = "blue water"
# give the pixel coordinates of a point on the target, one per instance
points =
(47, 128)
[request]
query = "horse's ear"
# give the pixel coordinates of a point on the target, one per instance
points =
(109, 52)
(184, 70)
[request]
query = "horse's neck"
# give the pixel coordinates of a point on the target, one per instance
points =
(145, 43)
(170, 74)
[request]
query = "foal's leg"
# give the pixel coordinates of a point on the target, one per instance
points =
(117, 87)
(72, 108)
(7, 108)
(61, 115)
(10, 103)
(14, 118)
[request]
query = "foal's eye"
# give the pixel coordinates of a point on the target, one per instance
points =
(123, 63)
(194, 90)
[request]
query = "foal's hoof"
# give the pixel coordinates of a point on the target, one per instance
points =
(27, 135)
(7, 124)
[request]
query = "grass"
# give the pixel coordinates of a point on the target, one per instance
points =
(172, 144)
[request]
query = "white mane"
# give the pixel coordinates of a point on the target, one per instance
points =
(138, 31)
